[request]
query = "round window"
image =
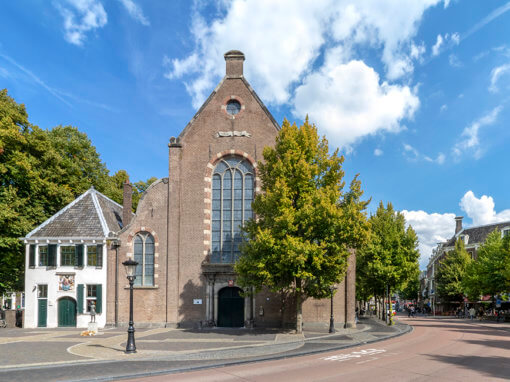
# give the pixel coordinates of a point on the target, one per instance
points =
(233, 107)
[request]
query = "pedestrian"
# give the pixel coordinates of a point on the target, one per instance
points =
(472, 312)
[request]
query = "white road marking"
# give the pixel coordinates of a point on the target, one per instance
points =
(353, 355)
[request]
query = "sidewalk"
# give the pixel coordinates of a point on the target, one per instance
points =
(168, 349)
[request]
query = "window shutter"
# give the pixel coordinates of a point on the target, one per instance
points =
(99, 255)
(52, 255)
(31, 256)
(79, 255)
(99, 298)
(80, 298)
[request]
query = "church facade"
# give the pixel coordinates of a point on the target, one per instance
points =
(186, 231)
(185, 235)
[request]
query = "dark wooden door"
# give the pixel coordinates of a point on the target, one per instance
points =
(42, 312)
(230, 308)
(66, 312)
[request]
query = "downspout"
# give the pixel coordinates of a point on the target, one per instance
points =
(116, 284)
(167, 246)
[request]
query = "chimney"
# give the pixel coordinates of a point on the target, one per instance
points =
(127, 202)
(458, 224)
(234, 61)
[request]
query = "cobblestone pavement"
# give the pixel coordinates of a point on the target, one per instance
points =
(62, 354)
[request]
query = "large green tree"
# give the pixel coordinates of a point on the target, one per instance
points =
(390, 258)
(451, 273)
(487, 275)
(40, 172)
(306, 224)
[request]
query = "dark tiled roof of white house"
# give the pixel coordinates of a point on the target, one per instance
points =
(477, 235)
(91, 215)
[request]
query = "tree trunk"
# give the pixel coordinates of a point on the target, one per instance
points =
(299, 314)
(390, 316)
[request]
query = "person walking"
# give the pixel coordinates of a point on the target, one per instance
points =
(472, 312)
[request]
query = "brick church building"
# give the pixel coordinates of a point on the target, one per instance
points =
(185, 234)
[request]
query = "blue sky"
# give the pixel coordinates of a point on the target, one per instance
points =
(414, 93)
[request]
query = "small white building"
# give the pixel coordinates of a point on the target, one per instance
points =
(65, 267)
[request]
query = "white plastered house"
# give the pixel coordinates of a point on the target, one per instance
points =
(65, 266)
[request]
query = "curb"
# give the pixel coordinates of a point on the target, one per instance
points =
(407, 329)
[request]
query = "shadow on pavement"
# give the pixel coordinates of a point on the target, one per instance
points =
(493, 367)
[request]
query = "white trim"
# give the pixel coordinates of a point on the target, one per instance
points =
(59, 212)
(99, 211)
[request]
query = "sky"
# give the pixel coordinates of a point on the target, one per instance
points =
(414, 93)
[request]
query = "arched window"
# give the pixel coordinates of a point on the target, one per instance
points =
(144, 255)
(232, 195)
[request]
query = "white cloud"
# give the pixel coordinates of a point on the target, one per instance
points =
(411, 152)
(455, 38)
(135, 11)
(417, 52)
(431, 229)
(470, 141)
(378, 152)
(446, 41)
(437, 46)
(286, 37)
(454, 61)
(496, 74)
(80, 17)
(443, 108)
(348, 102)
(439, 159)
(446, 3)
(481, 210)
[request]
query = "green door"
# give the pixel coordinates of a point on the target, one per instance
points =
(66, 312)
(42, 312)
(230, 308)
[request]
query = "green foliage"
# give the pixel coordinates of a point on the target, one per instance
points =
(488, 274)
(451, 273)
(390, 257)
(306, 224)
(411, 289)
(40, 172)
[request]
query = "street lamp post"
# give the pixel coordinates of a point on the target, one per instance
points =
(130, 266)
(332, 317)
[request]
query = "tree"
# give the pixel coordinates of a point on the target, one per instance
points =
(305, 223)
(451, 272)
(390, 258)
(40, 172)
(411, 289)
(488, 273)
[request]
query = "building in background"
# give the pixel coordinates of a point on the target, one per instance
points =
(473, 238)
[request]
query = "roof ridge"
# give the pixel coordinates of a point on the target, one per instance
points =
(100, 213)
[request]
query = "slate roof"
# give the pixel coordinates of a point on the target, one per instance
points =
(91, 215)
(477, 234)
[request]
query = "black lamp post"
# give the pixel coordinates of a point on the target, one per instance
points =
(130, 265)
(332, 318)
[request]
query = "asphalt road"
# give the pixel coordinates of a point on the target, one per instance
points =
(437, 350)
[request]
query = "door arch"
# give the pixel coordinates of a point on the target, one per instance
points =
(230, 308)
(67, 312)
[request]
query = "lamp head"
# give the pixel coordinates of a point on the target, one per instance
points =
(130, 266)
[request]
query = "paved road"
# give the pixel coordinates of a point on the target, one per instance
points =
(61, 354)
(437, 350)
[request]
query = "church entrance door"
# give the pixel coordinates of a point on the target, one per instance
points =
(230, 308)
